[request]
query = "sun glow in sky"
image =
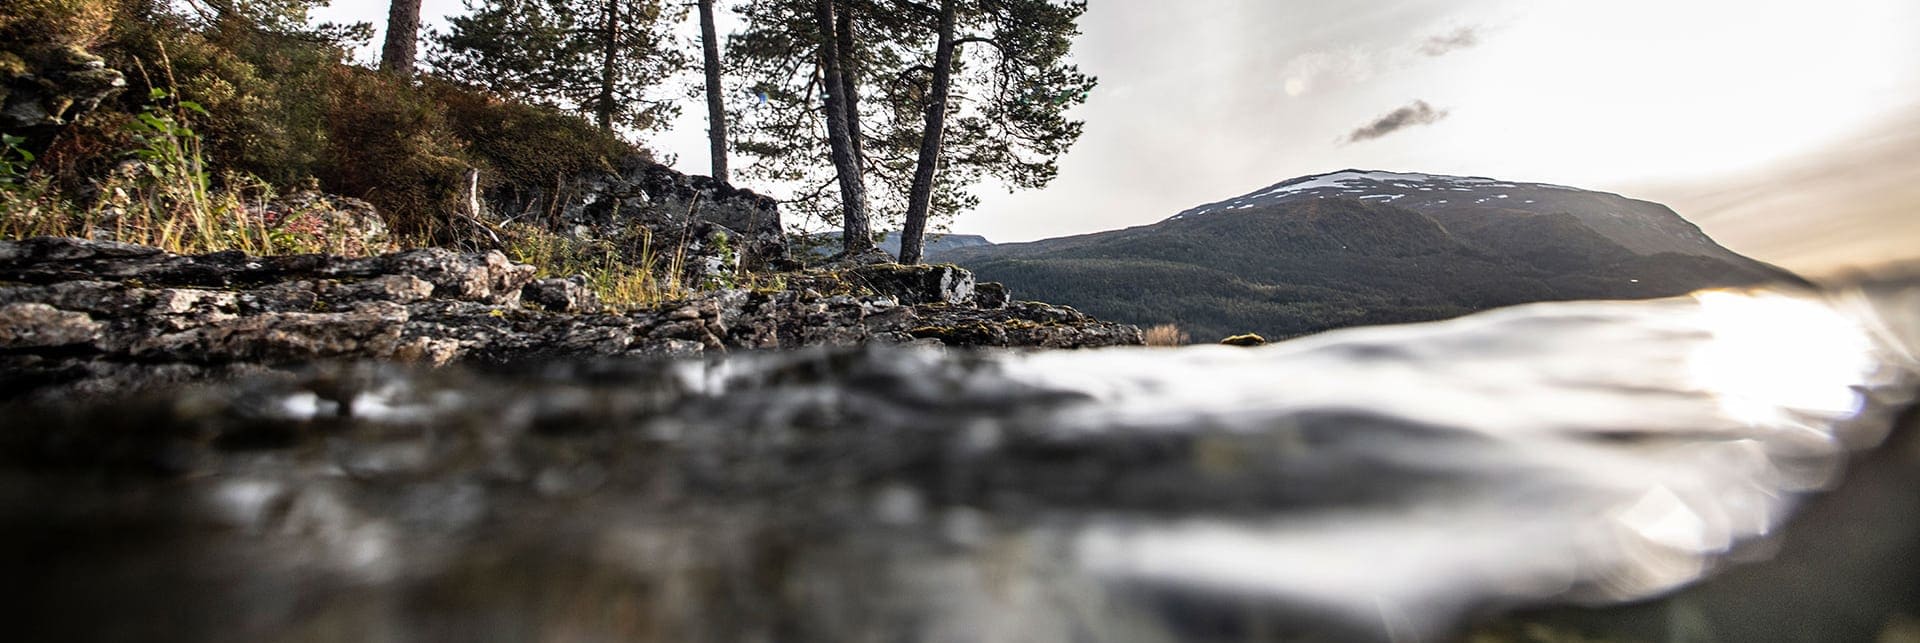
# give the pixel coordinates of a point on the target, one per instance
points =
(1695, 103)
(1663, 89)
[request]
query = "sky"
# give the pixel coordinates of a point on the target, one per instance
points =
(1789, 130)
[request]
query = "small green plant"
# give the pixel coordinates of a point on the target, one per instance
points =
(14, 161)
(174, 207)
(722, 251)
(24, 201)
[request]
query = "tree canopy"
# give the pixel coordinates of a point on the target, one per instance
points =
(1009, 84)
(608, 59)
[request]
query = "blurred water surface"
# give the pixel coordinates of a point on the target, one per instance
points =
(1399, 483)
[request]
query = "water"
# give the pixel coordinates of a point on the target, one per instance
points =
(1403, 483)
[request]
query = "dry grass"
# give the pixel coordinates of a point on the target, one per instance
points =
(622, 283)
(180, 220)
(1167, 335)
(163, 196)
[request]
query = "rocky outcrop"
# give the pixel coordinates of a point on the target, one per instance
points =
(86, 316)
(47, 87)
(716, 227)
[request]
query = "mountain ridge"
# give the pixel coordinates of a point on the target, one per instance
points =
(1360, 247)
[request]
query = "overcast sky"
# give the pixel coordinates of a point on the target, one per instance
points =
(1788, 129)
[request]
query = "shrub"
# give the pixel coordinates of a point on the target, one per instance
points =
(524, 147)
(1167, 335)
(59, 23)
(268, 88)
(391, 145)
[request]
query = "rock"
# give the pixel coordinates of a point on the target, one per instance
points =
(676, 212)
(569, 295)
(344, 226)
(373, 330)
(78, 316)
(43, 326)
(916, 284)
(488, 278)
(867, 257)
(991, 294)
(1247, 340)
(49, 87)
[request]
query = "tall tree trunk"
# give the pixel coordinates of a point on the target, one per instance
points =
(403, 35)
(844, 36)
(920, 198)
(716, 110)
(855, 233)
(609, 68)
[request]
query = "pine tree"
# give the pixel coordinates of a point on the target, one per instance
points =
(938, 97)
(607, 59)
(716, 103)
(403, 36)
(802, 67)
(1014, 124)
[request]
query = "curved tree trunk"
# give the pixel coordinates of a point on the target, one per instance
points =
(398, 53)
(716, 109)
(920, 198)
(855, 233)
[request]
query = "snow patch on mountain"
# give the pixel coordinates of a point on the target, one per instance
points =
(1465, 202)
(1364, 184)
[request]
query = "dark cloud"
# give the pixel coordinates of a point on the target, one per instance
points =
(1416, 113)
(1444, 44)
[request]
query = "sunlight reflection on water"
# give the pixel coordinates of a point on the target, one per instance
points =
(1384, 483)
(1778, 360)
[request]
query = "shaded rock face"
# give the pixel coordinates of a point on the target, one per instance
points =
(717, 227)
(51, 87)
(916, 284)
(84, 316)
(568, 295)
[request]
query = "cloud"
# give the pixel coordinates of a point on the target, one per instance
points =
(1327, 69)
(1333, 68)
(1447, 43)
(1416, 113)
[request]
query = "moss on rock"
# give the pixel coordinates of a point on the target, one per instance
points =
(1248, 339)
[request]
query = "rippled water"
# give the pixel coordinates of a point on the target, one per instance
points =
(1401, 483)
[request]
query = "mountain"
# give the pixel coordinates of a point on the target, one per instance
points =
(1363, 247)
(937, 245)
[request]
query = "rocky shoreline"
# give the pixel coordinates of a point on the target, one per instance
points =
(91, 317)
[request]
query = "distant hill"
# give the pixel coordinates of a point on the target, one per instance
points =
(1358, 247)
(937, 245)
